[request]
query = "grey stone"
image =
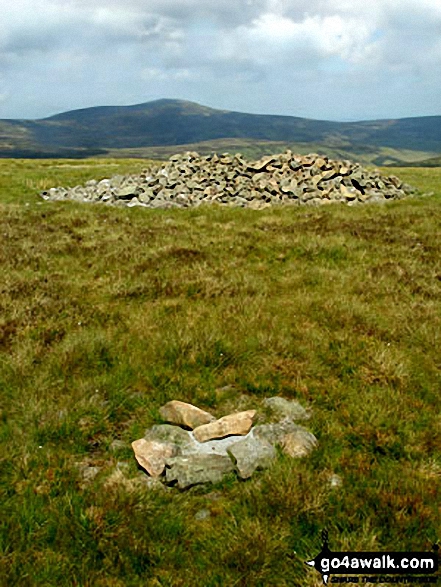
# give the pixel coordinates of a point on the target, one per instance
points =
(126, 193)
(170, 434)
(194, 469)
(298, 443)
(87, 471)
(294, 440)
(190, 180)
(335, 481)
(284, 408)
(218, 446)
(151, 483)
(203, 514)
(117, 445)
(251, 454)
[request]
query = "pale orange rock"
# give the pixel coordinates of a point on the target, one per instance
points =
(151, 455)
(234, 424)
(184, 414)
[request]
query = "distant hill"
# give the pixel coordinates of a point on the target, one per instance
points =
(432, 162)
(165, 123)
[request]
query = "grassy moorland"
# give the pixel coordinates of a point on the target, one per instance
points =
(107, 313)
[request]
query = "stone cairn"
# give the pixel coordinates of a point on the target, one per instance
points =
(189, 180)
(195, 447)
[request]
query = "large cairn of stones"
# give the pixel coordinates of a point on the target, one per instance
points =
(195, 447)
(189, 180)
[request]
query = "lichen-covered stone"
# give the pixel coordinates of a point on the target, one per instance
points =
(251, 454)
(170, 434)
(186, 471)
(295, 440)
(298, 443)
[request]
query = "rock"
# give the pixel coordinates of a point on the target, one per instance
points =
(184, 414)
(335, 481)
(126, 193)
(195, 469)
(166, 433)
(143, 481)
(218, 446)
(117, 445)
(284, 408)
(299, 443)
(251, 454)
(294, 440)
(185, 442)
(88, 472)
(190, 180)
(151, 455)
(203, 514)
(239, 423)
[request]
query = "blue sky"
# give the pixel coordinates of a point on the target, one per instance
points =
(323, 59)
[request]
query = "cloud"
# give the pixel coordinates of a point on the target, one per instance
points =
(71, 53)
(276, 38)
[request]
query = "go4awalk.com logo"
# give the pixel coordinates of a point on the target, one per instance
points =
(412, 567)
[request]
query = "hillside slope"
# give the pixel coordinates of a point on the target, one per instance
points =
(177, 122)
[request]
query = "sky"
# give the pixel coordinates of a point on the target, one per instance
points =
(322, 59)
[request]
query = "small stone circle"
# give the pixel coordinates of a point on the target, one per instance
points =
(205, 453)
(189, 180)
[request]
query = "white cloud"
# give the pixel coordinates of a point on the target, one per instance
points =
(157, 74)
(230, 53)
(274, 36)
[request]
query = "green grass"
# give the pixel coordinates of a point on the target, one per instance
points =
(107, 313)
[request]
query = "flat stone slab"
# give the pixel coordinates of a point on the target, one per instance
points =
(251, 454)
(183, 414)
(233, 424)
(194, 469)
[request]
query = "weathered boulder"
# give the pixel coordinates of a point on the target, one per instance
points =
(168, 433)
(294, 440)
(195, 469)
(184, 414)
(251, 454)
(299, 443)
(239, 423)
(151, 455)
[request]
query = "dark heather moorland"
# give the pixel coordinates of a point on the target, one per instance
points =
(107, 313)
